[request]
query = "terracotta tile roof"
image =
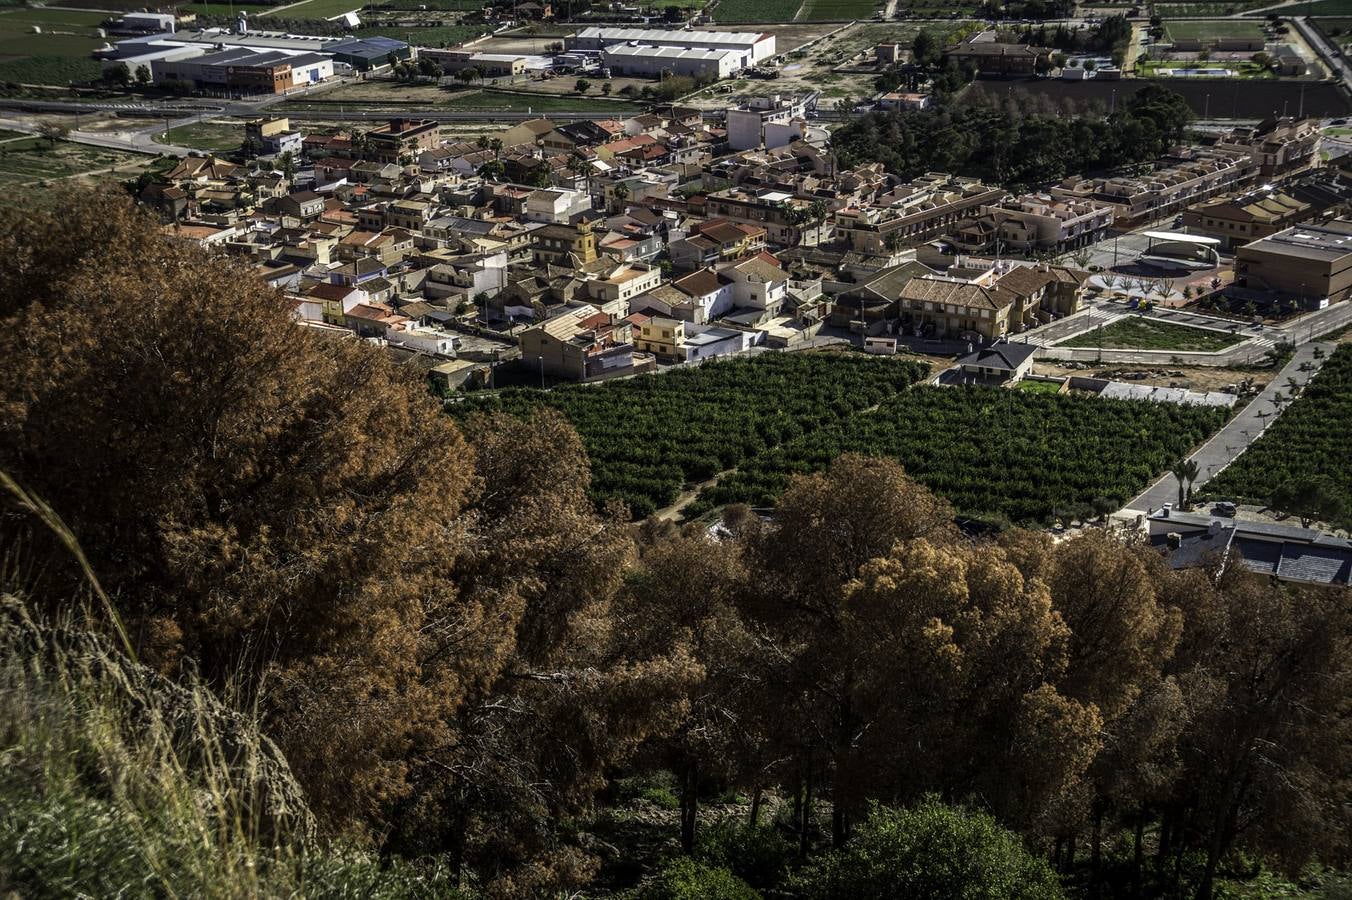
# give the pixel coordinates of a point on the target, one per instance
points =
(701, 283)
(955, 293)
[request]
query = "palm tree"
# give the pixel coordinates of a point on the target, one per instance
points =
(817, 212)
(579, 166)
(1185, 470)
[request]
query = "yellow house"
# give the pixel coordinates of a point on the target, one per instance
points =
(661, 337)
(565, 245)
(337, 299)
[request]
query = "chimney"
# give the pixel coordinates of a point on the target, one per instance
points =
(1174, 540)
(1214, 527)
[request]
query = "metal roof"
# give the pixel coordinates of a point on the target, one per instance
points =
(1182, 238)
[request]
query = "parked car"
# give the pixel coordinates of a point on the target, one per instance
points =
(1224, 508)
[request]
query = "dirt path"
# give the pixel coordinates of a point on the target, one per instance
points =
(673, 512)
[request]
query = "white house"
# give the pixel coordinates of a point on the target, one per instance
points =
(424, 340)
(711, 293)
(757, 284)
(625, 282)
(556, 206)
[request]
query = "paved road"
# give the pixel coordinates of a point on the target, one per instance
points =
(1327, 54)
(1239, 432)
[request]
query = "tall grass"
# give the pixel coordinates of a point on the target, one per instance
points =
(117, 782)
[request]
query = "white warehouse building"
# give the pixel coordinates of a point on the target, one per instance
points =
(630, 59)
(752, 46)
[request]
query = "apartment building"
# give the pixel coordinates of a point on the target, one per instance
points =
(397, 139)
(771, 210)
(914, 213)
(1180, 180)
(673, 340)
(1278, 145)
(1238, 220)
(1033, 223)
(274, 135)
(766, 122)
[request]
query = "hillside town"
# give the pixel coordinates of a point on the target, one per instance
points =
(730, 449)
(601, 248)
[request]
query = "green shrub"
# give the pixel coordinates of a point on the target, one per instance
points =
(759, 855)
(685, 879)
(657, 788)
(659, 797)
(930, 850)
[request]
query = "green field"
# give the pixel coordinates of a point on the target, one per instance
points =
(1321, 8)
(503, 101)
(1040, 387)
(933, 9)
(1339, 30)
(111, 5)
(319, 9)
(71, 19)
(424, 36)
(59, 55)
(34, 161)
(730, 12)
(224, 9)
(836, 10)
(1177, 30)
(1138, 333)
(446, 5)
(1208, 8)
(204, 136)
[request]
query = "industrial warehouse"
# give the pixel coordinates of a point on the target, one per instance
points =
(643, 60)
(749, 47)
(218, 61)
(241, 61)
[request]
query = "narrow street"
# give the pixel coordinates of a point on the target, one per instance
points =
(1239, 432)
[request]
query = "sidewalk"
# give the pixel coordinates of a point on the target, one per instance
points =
(1239, 432)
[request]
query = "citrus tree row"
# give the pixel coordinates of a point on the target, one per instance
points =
(649, 435)
(999, 455)
(1311, 439)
